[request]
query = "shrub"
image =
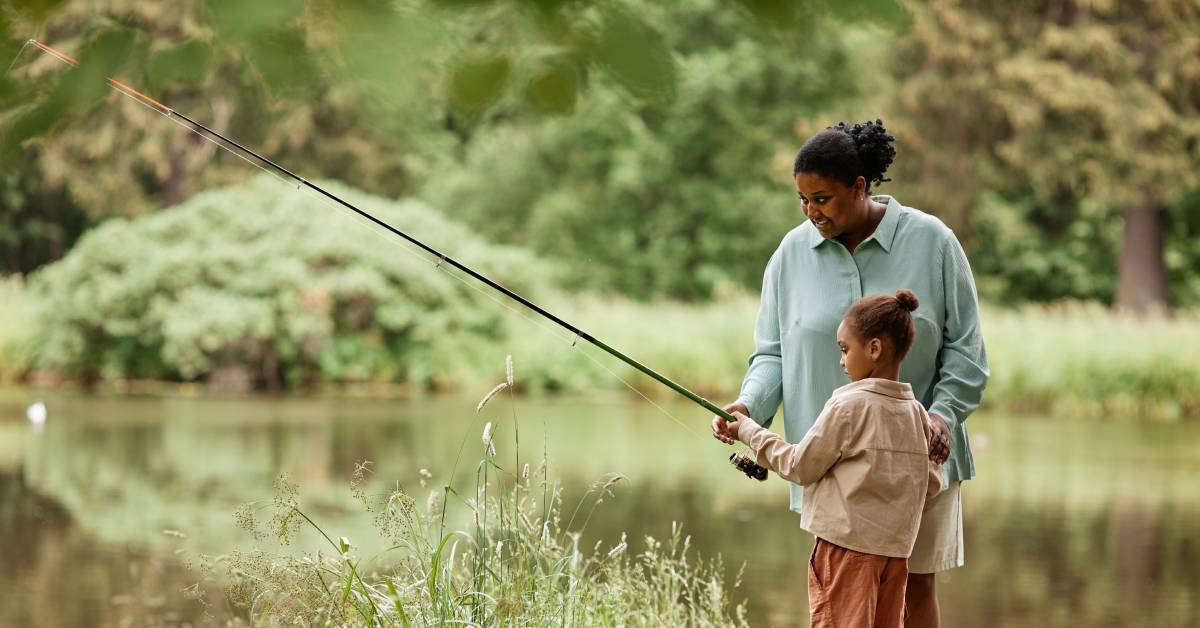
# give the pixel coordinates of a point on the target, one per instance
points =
(265, 286)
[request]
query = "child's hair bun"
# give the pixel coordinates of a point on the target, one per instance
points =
(908, 300)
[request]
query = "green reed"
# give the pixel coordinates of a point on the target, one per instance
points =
(520, 560)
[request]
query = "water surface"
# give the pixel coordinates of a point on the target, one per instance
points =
(1070, 522)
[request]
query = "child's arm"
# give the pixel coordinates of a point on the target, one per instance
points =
(805, 462)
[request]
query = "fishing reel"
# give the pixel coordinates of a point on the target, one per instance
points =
(751, 468)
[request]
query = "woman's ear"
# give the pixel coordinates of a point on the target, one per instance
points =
(875, 349)
(860, 188)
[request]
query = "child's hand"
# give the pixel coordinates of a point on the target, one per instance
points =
(727, 431)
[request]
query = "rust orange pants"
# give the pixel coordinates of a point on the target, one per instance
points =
(849, 589)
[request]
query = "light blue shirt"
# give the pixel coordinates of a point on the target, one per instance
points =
(809, 284)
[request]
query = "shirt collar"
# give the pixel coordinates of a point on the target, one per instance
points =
(884, 234)
(888, 387)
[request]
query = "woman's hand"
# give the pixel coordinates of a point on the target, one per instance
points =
(939, 440)
(723, 430)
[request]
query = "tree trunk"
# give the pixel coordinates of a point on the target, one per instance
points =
(174, 188)
(1142, 286)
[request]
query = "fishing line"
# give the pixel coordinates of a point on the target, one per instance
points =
(328, 199)
(424, 259)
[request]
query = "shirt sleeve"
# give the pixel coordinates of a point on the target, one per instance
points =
(962, 361)
(762, 387)
(805, 462)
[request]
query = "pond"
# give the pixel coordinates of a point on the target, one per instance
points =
(104, 509)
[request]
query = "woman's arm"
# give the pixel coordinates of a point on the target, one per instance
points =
(805, 462)
(762, 387)
(963, 368)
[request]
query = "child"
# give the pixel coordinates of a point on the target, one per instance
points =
(865, 469)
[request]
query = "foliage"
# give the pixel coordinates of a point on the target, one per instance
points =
(518, 563)
(1078, 359)
(270, 287)
(626, 139)
(643, 199)
(18, 327)
(246, 70)
(1062, 114)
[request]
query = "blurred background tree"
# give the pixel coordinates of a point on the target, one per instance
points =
(646, 146)
(1061, 135)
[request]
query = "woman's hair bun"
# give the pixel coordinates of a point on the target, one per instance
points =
(908, 300)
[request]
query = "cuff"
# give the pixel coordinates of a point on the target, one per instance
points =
(941, 409)
(747, 430)
(755, 413)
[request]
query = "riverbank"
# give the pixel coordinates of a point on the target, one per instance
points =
(1064, 359)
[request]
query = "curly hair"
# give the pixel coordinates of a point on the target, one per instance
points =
(844, 152)
(884, 316)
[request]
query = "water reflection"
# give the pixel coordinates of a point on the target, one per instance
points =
(1059, 533)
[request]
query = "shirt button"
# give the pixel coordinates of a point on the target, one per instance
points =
(854, 275)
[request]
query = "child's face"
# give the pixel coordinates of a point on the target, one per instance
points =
(859, 357)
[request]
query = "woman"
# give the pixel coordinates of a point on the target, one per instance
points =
(856, 244)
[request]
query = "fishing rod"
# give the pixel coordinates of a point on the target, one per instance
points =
(741, 462)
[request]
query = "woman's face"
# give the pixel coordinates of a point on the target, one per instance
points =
(833, 207)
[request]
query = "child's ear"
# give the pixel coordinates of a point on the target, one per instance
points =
(875, 348)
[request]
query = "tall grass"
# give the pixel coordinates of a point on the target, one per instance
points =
(1082, 359)
(522, 559)
(1064, 359)
(19, 313)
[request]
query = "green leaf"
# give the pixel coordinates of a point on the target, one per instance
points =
(399, 602)
(637, 57)
(554, 89)
(479, 81)
(186, 64)
(282, 59)
(243, 19)
(435, 563)
(105, 54)
(774, 13)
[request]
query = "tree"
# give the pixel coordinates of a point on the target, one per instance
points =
(672, 195)
(254, 70)
(1062, 109)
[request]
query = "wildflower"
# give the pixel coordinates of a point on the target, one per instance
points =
(425, 475)
(508, 370)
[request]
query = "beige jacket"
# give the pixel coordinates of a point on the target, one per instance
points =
(864, 466)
